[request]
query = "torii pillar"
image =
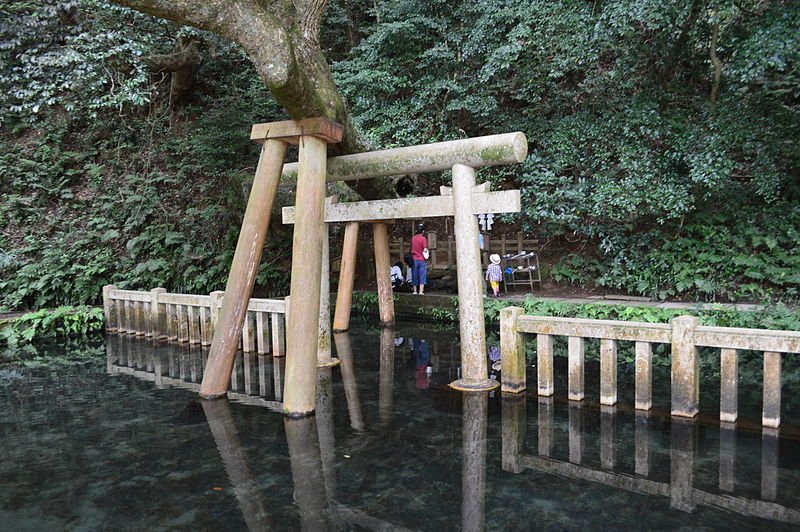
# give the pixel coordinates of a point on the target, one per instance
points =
(312, 135)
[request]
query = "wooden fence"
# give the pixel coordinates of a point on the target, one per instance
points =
(191, 319)
(685, 335)
(443, 250)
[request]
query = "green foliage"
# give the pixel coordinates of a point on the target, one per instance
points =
(626, 145)
(138, 197)
(59, 322)
(708, 259)
(365, 302)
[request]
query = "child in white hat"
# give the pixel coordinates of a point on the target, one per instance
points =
(494, 274)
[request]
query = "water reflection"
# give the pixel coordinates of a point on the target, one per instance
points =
(473, 470)
(681, 488)
(241, 478)
(639, 453)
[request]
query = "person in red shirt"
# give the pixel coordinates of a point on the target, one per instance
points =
(419, 251)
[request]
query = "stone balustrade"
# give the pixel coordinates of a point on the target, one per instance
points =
(684, 333)
(189, 318)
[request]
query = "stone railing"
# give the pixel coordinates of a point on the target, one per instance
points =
(191, 319)
(684, 333)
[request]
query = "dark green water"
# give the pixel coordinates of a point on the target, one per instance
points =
(119, 441)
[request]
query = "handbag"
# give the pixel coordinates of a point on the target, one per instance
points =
(426, 254)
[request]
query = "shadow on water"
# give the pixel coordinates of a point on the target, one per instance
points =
(390, 447)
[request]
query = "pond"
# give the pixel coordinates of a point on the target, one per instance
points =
(120, 441)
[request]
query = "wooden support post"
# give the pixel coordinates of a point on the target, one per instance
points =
(644, 376)
(109, 308)
(512, 351)
(382, 266)
(729, 385)
(685, 367)
(158, 314)
(474, 374)
(228, 330)
(544, 364)
(575, 363)
(608, 371)
(771, 416)
(324, 358)
(347, 271)
(301, 361)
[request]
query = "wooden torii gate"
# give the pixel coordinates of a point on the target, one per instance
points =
(311, 172)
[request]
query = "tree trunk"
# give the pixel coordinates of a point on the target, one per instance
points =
(282, 40)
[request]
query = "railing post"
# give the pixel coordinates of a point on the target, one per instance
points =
(324, 358)
(216, 304)
(644, 376)
(771, 416)
(729, 384)
(157, 314)
(512, 351)
(685, 367)
(544, 364)
(575, 362)
(109, 308)
(608, 371)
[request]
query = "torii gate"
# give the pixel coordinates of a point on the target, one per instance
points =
(311, 171)
(476, 200)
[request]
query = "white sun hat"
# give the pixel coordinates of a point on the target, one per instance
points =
(495, 258)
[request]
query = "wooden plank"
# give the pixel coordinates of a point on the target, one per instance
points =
(290, 131)
(427, 207)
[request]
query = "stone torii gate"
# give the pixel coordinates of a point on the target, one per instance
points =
(471, 201)
(311, 172)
